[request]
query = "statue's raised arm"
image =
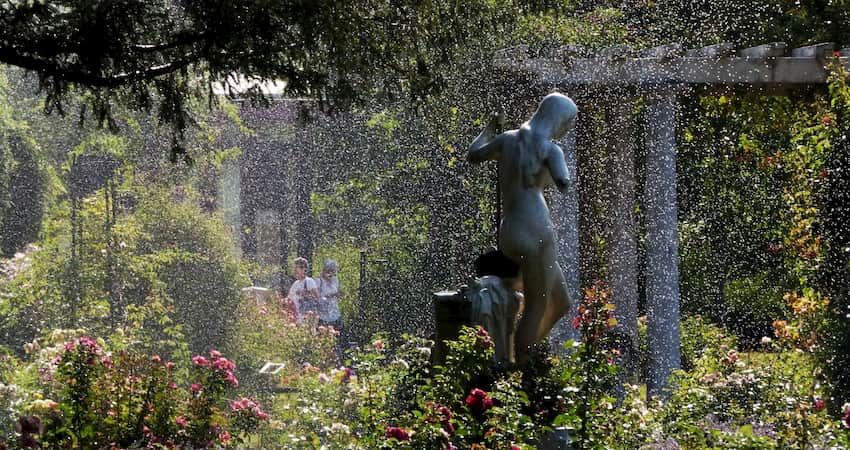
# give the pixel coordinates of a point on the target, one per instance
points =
(529, 160)
(485, 147)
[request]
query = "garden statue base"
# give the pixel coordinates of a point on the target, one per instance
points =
(487, 303)
(451, 311)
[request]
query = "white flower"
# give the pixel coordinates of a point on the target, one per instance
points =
(337, 427)
(400, 364)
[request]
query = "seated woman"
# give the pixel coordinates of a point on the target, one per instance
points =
(529, 161)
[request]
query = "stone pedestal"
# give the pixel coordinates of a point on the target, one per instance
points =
(451, 311)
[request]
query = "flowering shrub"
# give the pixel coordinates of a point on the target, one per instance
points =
(269, 333)
(86, 397)
(589, 372)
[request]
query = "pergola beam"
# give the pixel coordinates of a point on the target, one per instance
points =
(712, 65)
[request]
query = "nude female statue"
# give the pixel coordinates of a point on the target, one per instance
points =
(529, 161)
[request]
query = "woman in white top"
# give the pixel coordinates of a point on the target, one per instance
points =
(304, 291)
(329, 293)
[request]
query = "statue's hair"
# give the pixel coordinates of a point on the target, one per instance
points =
(554, 107)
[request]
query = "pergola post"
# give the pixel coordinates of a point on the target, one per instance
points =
(621, 244)
(565, 216)
(662, 271)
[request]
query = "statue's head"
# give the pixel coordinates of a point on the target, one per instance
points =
(555, 115)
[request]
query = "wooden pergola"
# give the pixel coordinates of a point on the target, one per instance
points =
(661, 76)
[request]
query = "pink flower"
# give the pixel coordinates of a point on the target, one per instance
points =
(846, 419)
(232, 379)
(169, 365)
(397, 433)
(181, 421)
(224, 438)
(200, 361)
(86, 341)
(195, 388)
(69, 346)
(223, 364)
(261, 414)
(156, 359)
(379, 345)
(215, 354)
(242, 403)
(483, 338)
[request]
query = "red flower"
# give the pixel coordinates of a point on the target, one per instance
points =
(826, 120)
(346, 374)
(478, 401)
(397, 433)
(577, 322)
(819, 405)
(29, 424)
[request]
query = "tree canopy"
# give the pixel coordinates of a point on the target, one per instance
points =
(161, 53)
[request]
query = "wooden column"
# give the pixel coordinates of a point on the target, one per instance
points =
(662, 278)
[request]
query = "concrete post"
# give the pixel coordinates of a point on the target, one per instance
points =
(662, 278)
(565, 217)
(621, 244)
